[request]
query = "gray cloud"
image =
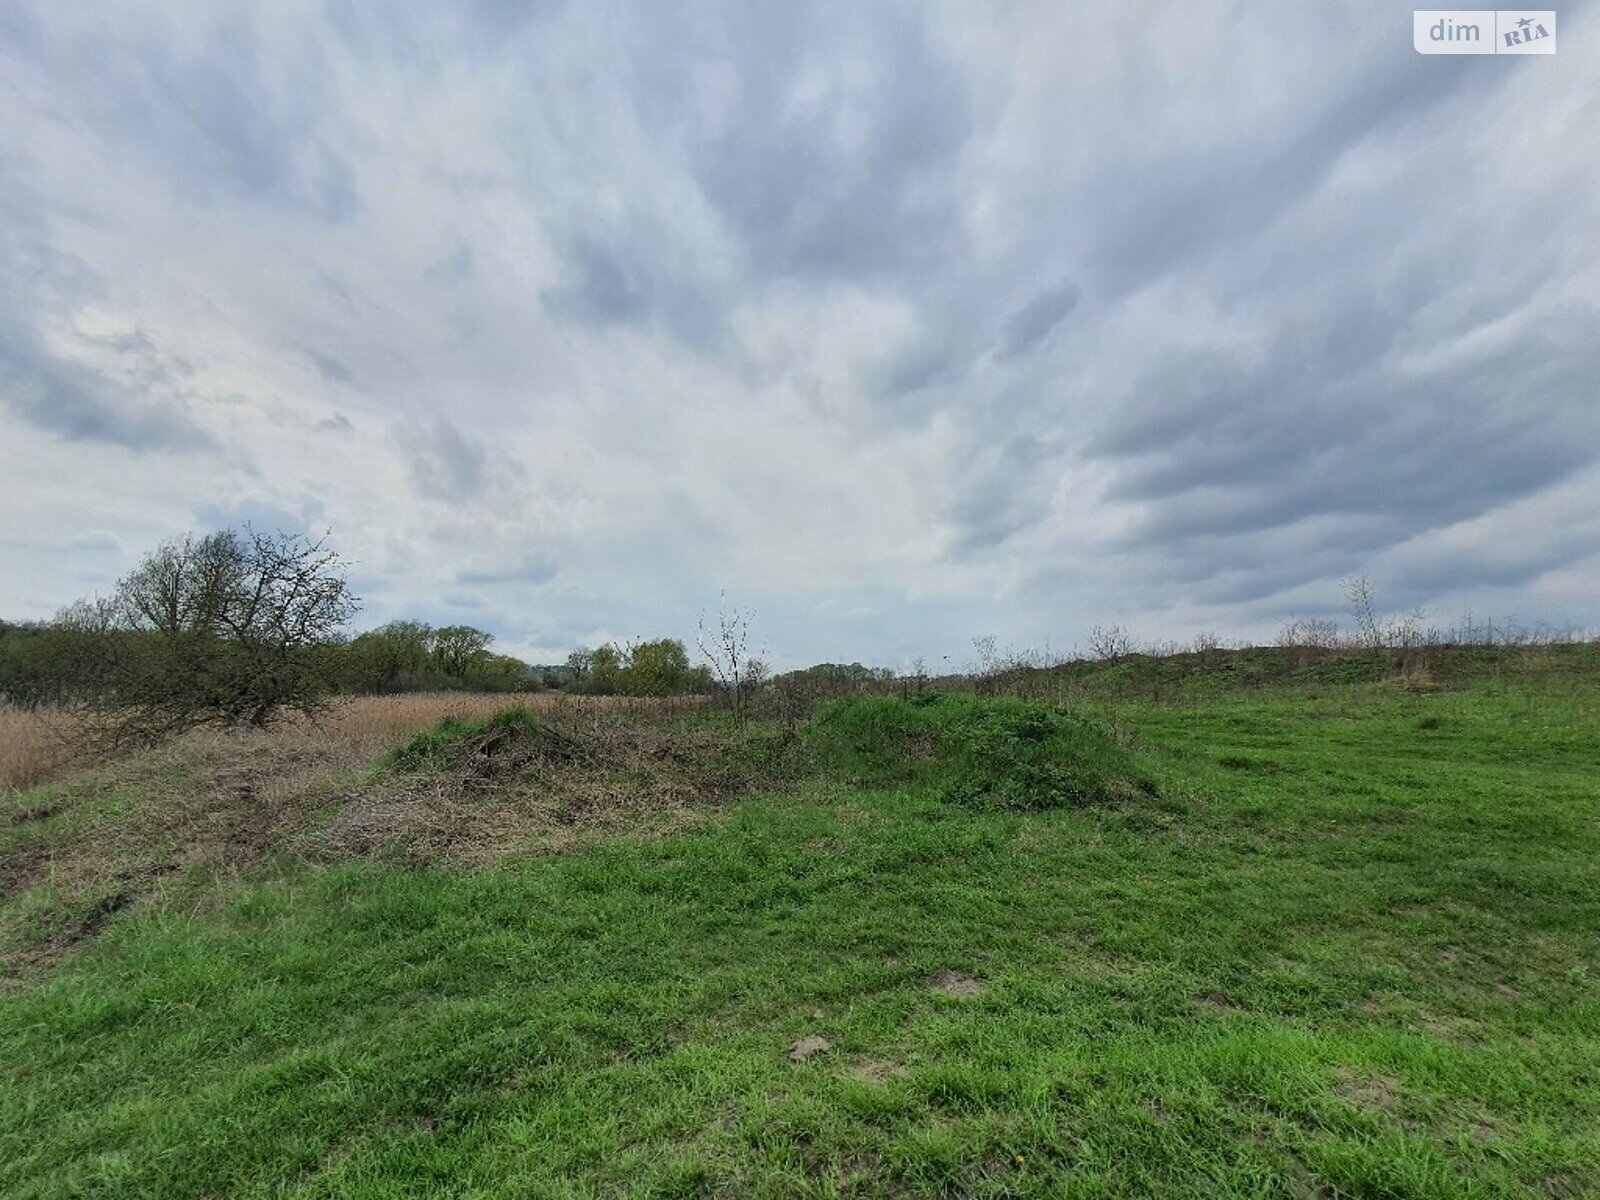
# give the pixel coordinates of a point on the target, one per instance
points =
(1004, 490)
(1029, 325)
(596, 288)
(534, 569)
(943, 313)
(456, 267)
(445, 463)
(76, 404)
(329, 367)
(66, 396)
(264, 515)
(216, 112)
(1328, 425)
(1162, 211)
(817, 169)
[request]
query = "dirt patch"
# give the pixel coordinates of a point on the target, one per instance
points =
(954, 983)
(1380, 1092)
(1220, 1001)
(879, 1070)
(809, 1047)
(645, 782)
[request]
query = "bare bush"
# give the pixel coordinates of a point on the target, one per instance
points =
(988, 654)
(1360, 605)
(1305, 638)
(726, 647)
(1110, 643)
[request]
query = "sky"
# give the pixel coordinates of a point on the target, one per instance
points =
(898, 324)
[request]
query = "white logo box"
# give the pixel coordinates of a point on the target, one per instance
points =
(1483, 31)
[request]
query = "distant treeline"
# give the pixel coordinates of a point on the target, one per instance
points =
(59, 662)
(240, 627)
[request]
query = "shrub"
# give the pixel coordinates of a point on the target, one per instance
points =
(227, 629)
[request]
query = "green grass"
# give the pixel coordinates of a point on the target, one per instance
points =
(1339, 942)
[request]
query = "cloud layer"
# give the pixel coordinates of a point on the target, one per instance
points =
(899, 323)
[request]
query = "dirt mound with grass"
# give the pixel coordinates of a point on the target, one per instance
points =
(499, 746)
(982, 751)
(475, 790)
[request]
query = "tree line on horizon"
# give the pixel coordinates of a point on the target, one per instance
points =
(240, 627)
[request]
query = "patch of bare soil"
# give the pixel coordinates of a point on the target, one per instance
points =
(1217, 1000)
(878, 1070)
(809, 1047)
(1380, 1092)
(954, 983)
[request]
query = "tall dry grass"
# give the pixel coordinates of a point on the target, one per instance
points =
(37, 745)
(34, 744)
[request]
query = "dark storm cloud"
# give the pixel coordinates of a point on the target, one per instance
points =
(1221, 447)
(1378, 410)
(75, 403)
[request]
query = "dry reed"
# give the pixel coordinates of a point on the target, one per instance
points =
(37, 745)
(34, 745)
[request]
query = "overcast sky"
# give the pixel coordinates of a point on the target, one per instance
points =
(901, 324)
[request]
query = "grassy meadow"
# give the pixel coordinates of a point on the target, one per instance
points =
(1130, 930)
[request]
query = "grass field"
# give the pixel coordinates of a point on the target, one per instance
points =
(1306, 940)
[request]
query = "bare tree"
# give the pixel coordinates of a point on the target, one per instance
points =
(988, 654)
(727, 649)
(1363, 610)
(219, 630)
(1110, 643)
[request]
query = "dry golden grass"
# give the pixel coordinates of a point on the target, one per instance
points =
(362, 718)
(34, 745)
(38, 745)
